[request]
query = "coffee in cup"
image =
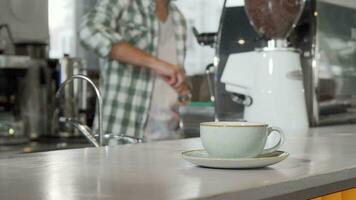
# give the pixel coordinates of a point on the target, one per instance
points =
(238, 139)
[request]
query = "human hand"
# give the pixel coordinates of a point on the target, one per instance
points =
(173, 75)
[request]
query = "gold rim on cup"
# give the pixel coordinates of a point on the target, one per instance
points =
(233, 124)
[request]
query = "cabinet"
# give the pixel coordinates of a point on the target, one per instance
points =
(344, 195)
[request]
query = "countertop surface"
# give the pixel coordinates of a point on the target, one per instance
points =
(318, 159)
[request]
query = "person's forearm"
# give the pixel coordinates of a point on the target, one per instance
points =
(172, 74)
(124, 52)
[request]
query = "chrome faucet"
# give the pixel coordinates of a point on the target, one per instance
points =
(85, 130)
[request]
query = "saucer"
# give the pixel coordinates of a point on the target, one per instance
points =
(202, 158)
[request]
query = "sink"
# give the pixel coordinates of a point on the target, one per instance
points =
(44, 145)
(15, 62)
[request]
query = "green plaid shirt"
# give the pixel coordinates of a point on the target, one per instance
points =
(127, 89)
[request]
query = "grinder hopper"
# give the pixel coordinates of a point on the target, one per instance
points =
(274, 19)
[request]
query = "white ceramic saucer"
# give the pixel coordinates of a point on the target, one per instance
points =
(202, 158)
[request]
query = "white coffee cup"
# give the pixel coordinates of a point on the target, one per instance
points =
(238, 139)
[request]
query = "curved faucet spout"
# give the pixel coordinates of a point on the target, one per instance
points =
(99, 100)
(84, 129)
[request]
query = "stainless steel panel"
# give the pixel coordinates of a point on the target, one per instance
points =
(335, 59)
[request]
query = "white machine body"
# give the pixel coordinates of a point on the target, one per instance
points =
(274, 81)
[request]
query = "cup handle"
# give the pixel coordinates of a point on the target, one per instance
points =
(280, 142)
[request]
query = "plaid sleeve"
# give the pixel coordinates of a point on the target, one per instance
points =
(98, 29)
(181, 33)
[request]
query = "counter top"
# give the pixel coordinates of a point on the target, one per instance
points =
(321, 161)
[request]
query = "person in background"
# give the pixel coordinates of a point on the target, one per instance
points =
(142, 43)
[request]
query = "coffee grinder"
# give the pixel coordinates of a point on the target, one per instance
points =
(269, 80)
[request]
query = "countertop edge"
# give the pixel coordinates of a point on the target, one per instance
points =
(313, 186)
